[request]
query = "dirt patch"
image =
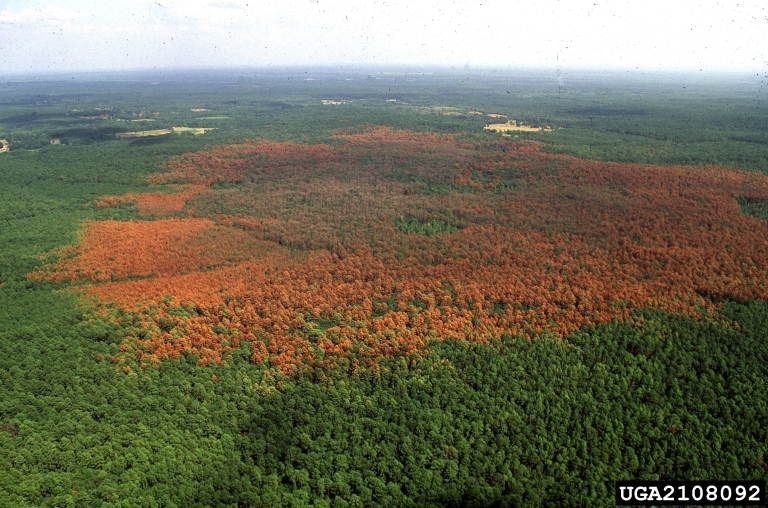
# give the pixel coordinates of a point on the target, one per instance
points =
(475, 112)
(3, 145)
(496, 115)
(163, 132)
(512, 125)
(198, 110)
(194, 130)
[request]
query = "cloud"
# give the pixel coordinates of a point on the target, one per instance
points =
(605, 33)
(228, 5)
(52, 15)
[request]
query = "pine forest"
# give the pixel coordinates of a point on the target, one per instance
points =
(380, 289)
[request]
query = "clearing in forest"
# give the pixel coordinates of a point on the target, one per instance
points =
(512, 125)
(162, 132)
(194, 130)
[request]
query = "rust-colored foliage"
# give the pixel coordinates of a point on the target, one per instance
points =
(154, 203)
(113, 250)
(544, 242)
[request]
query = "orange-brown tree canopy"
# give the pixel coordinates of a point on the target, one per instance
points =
(393, 238)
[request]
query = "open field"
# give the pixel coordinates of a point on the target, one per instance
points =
(162, 132)
(513, 126)
(194, 130)
(380, 303)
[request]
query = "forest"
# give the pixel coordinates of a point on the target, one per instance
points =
(317, 288)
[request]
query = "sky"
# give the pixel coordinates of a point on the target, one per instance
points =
(93, 35)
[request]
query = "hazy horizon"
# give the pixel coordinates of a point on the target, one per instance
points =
(41, 37)
(319, 72)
